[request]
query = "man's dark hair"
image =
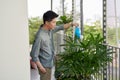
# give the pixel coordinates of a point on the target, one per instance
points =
(49, 15)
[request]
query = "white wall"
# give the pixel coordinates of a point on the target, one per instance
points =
(14, 45)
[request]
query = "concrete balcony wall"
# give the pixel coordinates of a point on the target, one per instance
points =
(14, 41)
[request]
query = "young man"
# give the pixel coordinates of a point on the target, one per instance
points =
(42, 52)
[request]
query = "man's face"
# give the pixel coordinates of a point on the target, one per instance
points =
(51, 24)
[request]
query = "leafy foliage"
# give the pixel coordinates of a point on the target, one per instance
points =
(80, 59)
(111, 36)
(34, 24)
(64, 19)
(92, 29)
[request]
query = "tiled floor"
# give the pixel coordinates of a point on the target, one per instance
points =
(35, 75)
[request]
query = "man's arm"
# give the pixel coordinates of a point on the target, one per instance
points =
(40, 67)
(58, 28)
(35, 53)
(64, 26)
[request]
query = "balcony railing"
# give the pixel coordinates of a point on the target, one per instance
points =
(113, 68)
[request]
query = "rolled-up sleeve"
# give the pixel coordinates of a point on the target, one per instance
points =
(35, 49)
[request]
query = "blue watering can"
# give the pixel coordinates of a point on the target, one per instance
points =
(78, 32)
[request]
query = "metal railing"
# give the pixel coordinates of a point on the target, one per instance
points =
(113, 68)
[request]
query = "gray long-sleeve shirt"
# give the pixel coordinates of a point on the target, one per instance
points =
(43, 47)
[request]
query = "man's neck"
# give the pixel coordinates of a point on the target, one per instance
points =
(45, 27)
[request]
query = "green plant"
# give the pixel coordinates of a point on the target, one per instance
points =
(81, 59)
(63, 20)
(34, 24)
(92, 29)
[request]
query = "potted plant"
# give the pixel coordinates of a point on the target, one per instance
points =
(81, 59)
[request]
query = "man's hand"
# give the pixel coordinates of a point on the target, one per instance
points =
(75, 24)
(42, 69)
(67, 25)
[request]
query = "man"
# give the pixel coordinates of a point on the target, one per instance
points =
(42, 52)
